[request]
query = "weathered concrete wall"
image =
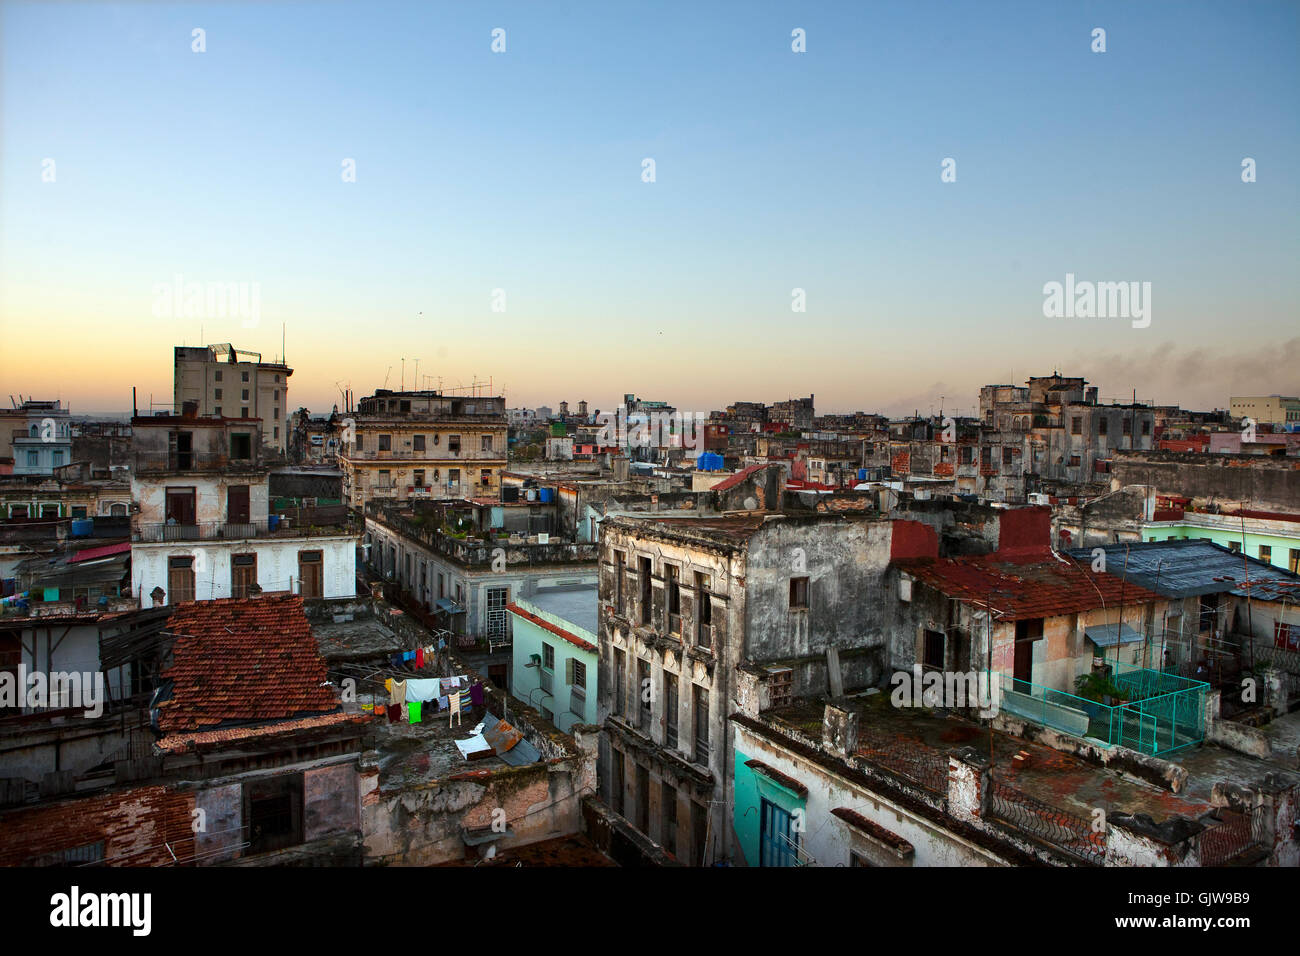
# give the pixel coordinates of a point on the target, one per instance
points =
(330, 801)
(423, 826)
(1267, 484)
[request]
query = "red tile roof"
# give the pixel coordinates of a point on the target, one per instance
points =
(251, 659)
(1026, 584)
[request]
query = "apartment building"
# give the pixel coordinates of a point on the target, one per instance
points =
(226, 382)
(202, 526)
(37, 436)
(696, 615)
(422, 445)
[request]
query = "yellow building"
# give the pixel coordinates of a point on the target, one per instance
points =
(425, 444)
(1274, 409)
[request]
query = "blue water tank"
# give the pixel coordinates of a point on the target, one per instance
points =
(83, 527)
(272, 522)
(546, 494)
(862, 474)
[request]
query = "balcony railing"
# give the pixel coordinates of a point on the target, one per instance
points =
(156, 533)
(434, 454)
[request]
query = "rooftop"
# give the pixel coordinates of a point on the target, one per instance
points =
(239, 661)
(1187, 568)
(1026, 584)
(577, 605)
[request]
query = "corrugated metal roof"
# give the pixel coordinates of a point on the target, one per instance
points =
(1107, 635)
(1187, 568)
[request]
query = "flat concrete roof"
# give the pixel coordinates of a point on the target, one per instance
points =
(577, 605)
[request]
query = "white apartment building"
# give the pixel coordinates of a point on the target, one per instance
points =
(226, 382)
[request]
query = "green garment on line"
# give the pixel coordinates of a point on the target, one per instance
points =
(413, 711)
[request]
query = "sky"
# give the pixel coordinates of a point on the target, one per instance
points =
(499, 225)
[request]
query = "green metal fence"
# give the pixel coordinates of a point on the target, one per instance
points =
(1160, 712)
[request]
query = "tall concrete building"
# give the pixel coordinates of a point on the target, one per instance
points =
(227, 382)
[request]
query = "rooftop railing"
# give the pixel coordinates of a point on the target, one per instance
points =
(156, 533)
(1153, 713)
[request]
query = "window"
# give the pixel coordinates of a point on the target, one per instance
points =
(218, 375)
(243, 574)
(798, 593)
(1286, 636)
(668, 816)
(646, 588)
(496, 611)
(1266, 553)
(385, 442)
(485, 476)
(1146, 426)
(33, 459)
(701, 725)
(311, 573)
(217, 411)
(1234, 547)
(1076, 426)
(237, 506)
(58, 458)
(217, 394)
(966, 455)
(778, 842)
(643, 694)
(244, 376)
(276, 431)
(671, 573)
(548, 657)
(385, 478)
(1293, 560)
(419, 478)
(180, 579)
(487, 443)
(703, 611)
(1128, 425)
(453, 444)
(417, 443)
(180, 447)
(180, 506)
(1006, 456)
(453, 477)
(1075, 460)
(243, 412)
(78, 511)
(273, 809)
(244, 396)
(577, 674)
(275, 395)
(241, 446)
(618, 581)
(670, 709)
(618, 784)
(1103, 423)
(275, 412)
(620, 684)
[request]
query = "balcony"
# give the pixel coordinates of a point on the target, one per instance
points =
(434, 454)
(272, 527)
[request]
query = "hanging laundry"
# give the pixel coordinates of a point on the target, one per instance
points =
(394, 713)
(397, 692)
(413, 709)
(476, 694)
(419, 658)
(408, 656)
(421, 689)
(443, 702)
(455, 709)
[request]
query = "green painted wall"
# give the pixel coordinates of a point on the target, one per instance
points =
(750, 790)
(528, 639)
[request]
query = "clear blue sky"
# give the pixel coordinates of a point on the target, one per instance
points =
(775, 170)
